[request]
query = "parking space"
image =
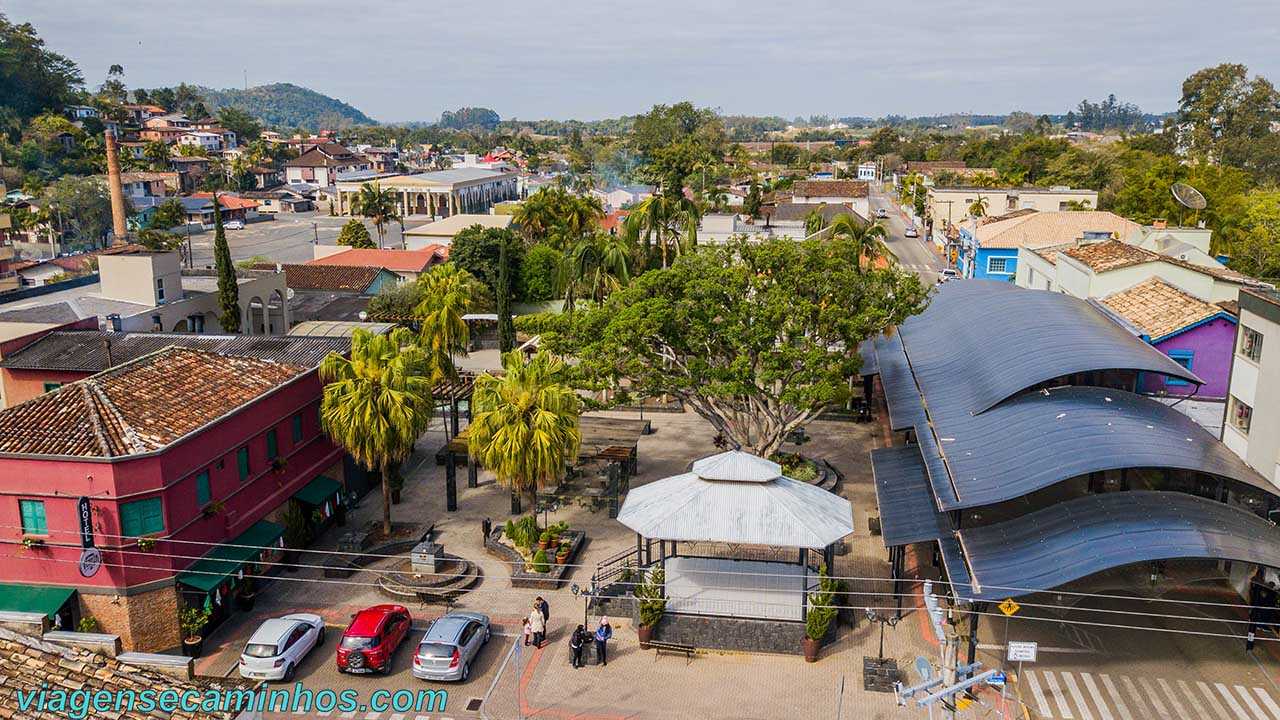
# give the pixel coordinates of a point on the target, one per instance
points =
(286, 238)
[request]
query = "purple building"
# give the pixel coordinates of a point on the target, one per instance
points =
(1196, 334)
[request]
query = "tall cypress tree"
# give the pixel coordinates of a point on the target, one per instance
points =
(506, 328)
(228, 290)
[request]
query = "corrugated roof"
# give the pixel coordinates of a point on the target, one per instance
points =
(908, 512)
(1159, 309)
(141, 406)
(87, 350)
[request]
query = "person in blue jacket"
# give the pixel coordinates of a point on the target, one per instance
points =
(604, 631)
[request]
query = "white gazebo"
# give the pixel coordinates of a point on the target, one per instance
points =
(744, 502)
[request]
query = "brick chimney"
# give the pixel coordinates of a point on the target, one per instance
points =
(118, 218)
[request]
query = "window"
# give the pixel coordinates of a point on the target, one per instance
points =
(141, 517)
(203, 495)
(33, 520)
(998, 265)
(297, 428)
(272, 444)
(159, 290)
(1183, 358)
(1239, 415)
(242, 460)
(51, 386)
(1250, 343)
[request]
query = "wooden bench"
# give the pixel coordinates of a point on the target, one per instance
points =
(660, 647)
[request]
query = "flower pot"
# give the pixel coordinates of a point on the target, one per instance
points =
(646, 634)
(245, 601)
(811, 648)
(555, 542)
(543, 544)
(561, 558)
(193, 646)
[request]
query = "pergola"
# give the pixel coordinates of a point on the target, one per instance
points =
(741, 501)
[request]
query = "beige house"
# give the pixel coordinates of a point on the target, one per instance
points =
(441, 232)
(948, 206)
(1252, 424)
(440, 193)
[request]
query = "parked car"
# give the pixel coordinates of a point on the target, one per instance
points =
(947, 275)
(278, 646)
(233, 225)
(450, 645)
(882, 213)
(370, 642)
(912, 232)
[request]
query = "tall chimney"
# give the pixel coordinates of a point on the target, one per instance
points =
(118, 218)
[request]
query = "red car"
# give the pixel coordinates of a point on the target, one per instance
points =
(371, 640)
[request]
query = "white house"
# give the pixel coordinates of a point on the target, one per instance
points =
(867, 172)
(206, 141)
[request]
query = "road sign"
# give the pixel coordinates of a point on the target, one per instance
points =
(1023, 651)
(924, 668)
(90, 562)
(997, 679)
(1009, 607)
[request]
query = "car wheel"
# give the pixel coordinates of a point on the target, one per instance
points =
(320, 637)
(289, 671)
(487, 634)
(466, 671)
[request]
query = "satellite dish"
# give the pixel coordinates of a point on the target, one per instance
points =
(1188, 196)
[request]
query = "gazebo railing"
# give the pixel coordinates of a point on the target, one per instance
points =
(611, 568)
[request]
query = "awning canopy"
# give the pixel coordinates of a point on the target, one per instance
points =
(42, 599)
(908, 512)
(224, 561)
(318, 491)
(779, 512)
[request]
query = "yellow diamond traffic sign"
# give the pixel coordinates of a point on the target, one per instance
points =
(1009, 607)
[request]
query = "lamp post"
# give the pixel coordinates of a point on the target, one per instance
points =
(890, 620)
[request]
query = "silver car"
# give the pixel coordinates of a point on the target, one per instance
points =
(450, 645)
(279, 645)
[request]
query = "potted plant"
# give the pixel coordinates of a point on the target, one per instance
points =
(649, 595)
(544, 540)
(540, 562)
(31, 543)
(822, 610)
(213, 508)
(193, 622)
(87, 625)
(248, 594)
(562, 555)
(146, 544)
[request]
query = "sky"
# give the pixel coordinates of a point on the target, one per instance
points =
(402, 60)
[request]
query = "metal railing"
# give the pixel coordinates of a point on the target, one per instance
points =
(609, 569)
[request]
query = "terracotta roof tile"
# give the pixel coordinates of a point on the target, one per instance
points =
(829, 188)
(1159, 309)
(1029, 227)
(348, 278)
(140, 406)
(1110, 255)
(393, 260)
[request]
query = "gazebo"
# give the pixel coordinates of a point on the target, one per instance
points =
(734, 538)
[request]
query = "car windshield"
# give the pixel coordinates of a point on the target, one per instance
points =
(359, 643)
(435, 650)
(259, 650)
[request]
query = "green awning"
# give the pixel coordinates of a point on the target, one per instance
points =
(224, 561)
(318, 491)
(34, 598)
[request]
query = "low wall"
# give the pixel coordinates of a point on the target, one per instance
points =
(721, 633)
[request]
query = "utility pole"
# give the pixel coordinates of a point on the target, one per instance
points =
(315, 233)
(945, 646)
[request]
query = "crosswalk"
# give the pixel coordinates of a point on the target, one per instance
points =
(1050, 695)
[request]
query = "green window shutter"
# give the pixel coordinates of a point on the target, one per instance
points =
(272, 446)
(33, 519)
(203, 496)
(141, 517)
(242, 459)
(51, 386)
(297, 428)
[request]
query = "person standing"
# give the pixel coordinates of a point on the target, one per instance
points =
(603, 633)
(576, 642)
(538, 626)
(541, 604)
(527, 630)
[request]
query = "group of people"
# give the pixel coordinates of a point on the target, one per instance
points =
(535, 634)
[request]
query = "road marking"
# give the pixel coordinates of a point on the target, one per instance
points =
(1213, 699)
(1266, 700)
(1111, 690)
(1253, 705)
(372, 715)
(1154, 696)
(1070, 681)
(1058, 697)
(1035, 690)
(1097, 697)
(1231, 700)
(398, 716)
(1135, 697)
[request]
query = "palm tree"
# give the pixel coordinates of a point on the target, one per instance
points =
(979, 207)
(377, 402)
(448, 293)
(376, 204)
(525, 424)
(672, 223)
(869, 237)
(597, 263)
(536, 216)
(814, 222)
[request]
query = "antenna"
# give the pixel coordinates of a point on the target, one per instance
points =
(1188, 197)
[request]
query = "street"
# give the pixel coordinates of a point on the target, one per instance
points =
(912, 253)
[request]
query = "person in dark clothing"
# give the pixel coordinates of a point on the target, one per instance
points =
(603, 632)
(541, 604)
(577, 641)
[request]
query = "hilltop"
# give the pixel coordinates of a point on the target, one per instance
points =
(285, 104)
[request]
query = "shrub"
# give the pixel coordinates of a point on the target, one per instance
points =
(540, 564)
(193, 621)
(537, 273)
(355, 235)
(822, 607)
(649, 594)
(87, 625)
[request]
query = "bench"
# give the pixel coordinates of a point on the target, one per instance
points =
(661, 647)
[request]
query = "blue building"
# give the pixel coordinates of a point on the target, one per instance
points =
(976, 260)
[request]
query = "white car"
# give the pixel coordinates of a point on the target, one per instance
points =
(912, 232)
(947, 274)
(279, 645)
(882, 213)
(233, 225)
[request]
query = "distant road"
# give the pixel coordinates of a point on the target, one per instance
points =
(912, 253)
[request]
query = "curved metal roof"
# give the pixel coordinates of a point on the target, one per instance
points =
(1003, 339)
(908, 513)
(1077, 538)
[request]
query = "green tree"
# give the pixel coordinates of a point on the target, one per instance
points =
(160, 241)
(354, 234)
(757, 338)
(670, 222)
(524, 424)
(595, 267)
(228, 288)
(448, 293)
(504, 296)
(672, 140)
(1223, 113)
(377, 402)
(751, 204)
(33, 79)
(245, 126)
(81, 206)
(170, 213)
(538, 273)
(814, 222)
(376, 204)
(867, 237)
(978, 208)
(1257, 251)
(477, 249)
(157, 153)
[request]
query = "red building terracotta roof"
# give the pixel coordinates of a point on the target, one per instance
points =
(829, 188)
(394, 260)
(140, 406)
(229, 202)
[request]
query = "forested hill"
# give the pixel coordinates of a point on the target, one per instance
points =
(288, 105)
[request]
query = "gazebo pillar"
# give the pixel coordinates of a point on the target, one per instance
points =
(639, 551)
(453, 418)
(450, 482)
(473, 472)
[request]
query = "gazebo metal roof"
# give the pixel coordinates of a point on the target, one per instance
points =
(733, 503)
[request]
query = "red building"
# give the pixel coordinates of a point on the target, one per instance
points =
(177, 445)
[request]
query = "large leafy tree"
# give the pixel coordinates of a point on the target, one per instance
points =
(524, 425)
(673, 140)
(757, 338)
(81, 206)
(354, 234)
(538, 273)
(1224, 114)
(557, 217)
(376, 204)
(228, 288)
(477, 250)
(32, 77)
(378, 401)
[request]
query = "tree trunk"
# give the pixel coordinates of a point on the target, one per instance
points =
(386, 501)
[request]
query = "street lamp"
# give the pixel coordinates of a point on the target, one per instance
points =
(890, 620)
(586, 594)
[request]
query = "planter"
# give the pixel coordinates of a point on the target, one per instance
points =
(543, 545)
(555, 542)
(560, 559)
(193, 646)
(645, 634)
(245, 601)
(811, 648)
